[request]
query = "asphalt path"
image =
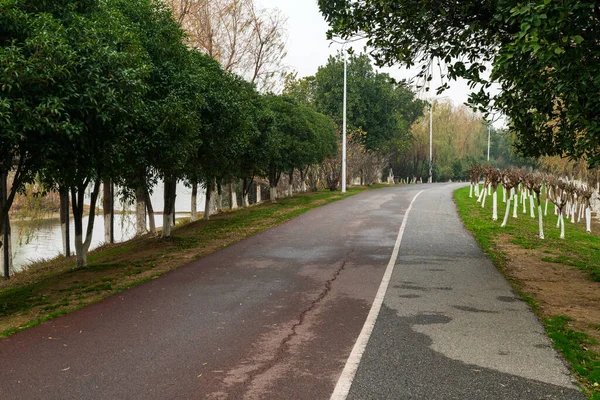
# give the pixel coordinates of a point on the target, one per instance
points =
(274, 316)
(451, 327)
(277, 315)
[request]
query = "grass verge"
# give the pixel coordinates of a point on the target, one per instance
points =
(56, 287)
(557, 277)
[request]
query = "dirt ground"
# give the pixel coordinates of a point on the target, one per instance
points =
(558, 289)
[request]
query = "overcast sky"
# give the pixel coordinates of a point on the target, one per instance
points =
(308, 47)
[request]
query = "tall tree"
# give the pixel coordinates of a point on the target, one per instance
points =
(101, 94)
(243, 38)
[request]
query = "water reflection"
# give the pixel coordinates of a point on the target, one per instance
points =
(38, 240)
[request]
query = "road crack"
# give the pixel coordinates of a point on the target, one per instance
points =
(283, 346)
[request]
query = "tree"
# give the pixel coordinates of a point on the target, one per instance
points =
(543, 56)
(100, 94)
(35, 62)
(244, 39)
(376, 104)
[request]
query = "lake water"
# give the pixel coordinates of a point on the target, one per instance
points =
(38, 240)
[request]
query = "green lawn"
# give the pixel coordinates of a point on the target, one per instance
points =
(579, 249)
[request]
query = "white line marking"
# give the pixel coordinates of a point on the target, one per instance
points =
(345, 381)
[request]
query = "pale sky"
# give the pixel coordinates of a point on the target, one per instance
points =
(308, 48)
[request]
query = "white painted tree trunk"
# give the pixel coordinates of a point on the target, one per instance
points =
(81, 254)
(166, 230)
(483, 200)
(481, 194)
(140, 212)
(531, 206)
(562, 226)
(558, 221)
(555, 210)
(579, 212)
(503, 194)
(541, 221)
(6, 249)
(207, 202)
(477, 189)
(588, 219)
(524, 201)
(273, 193)
(573, 212)
(505, 221)
(515, 205)
(150, 210)
(258, 193)
(194, 203)
(546, 208)
(303, 186)
(64, 222)
(471, 190)
(494, 205)
(219, 199)
(108, 212)
(245, 201)
(233, 204)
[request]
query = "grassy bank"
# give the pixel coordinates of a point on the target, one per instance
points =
(560, 278)
(56, 287)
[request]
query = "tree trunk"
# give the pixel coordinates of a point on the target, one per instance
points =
(5, 231)
(168, 208)
(108, 211)
(505, 221)
(82, 245)
(541, 221)
(516, 205)
(233, 204)
(291, 183)
(471, 190)
(64, 220)
(219, 198)
(194, 205)
(494, 204)
(258, 193)
(246, 185)
(483, 199)
(481, 194)
(562, 225)
(303, 179)
(208, 200)
(140, 211)
(273, 193)
(150, 210)
(531, 206)
(588, 219)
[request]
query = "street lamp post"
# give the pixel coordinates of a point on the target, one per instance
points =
(430, 144)
(344, 122)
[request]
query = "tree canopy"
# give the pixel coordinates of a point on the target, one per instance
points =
(378, 107)
(544, 55)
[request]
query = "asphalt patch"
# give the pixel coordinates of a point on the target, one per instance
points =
(399, 364)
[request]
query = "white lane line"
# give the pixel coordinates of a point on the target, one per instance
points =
(345, 381)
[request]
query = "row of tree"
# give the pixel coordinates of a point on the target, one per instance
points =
(571, 199)
(111, 92)
(380, 111)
